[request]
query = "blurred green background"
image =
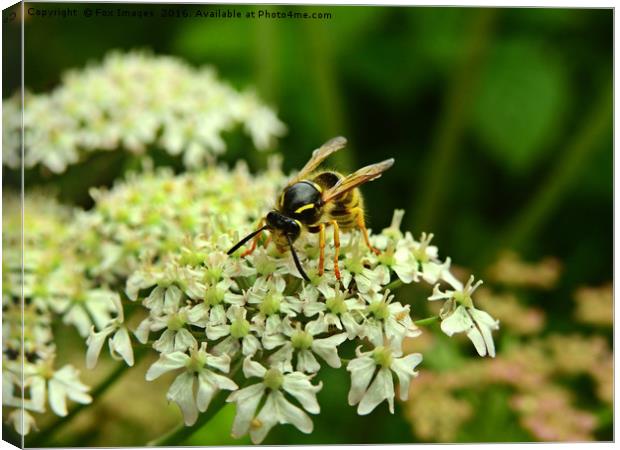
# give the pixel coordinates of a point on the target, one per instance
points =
(500, 121)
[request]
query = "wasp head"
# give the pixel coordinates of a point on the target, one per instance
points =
(284, 227)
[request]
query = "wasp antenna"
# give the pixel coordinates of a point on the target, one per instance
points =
(245, 239)
(296, 259)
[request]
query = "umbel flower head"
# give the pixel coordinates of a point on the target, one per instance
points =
(257, 312)
(250, 329)
(28, 350)
(134, 101)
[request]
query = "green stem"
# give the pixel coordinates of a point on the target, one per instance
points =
(394, 285)
(328, 97)
(267, 56)
(571, 163)
(427, 321)
(42, 438)
(452, 122)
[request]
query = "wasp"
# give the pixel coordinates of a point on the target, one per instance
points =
(313, 200)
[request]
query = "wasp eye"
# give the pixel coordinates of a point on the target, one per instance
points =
(272, 219)
(293, 229)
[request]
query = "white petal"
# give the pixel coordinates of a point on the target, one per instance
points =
(37, 394)
(253, 369)
(317, 326)
(247, 400)
(306, 362)
(165, 343)
(57, 397)
(198, 313)
(328, 348)
(215, 332)
(439, 295)
(221, 362)
(229, 346)
(155, 300)
(404, 370)
(221, 381)
(313, 308)
(488, 340)
(457, 322)
(299, 386)
(217, 315)
(183, 340)
(166, 363)
(22, 421)
(142, 332)
(382, 388)
(476, 337)
(289, 413)
(362, 370)
(95, 342)
(206, 391)
(250, 345)
(78, 317)
(447, 276)
(352, 327)
(121, 344)
(484, 318)
(272, 325)
(373, 330)
(172, 299)
(272, 341)
(79, 397)
(182, 393)
(266, 419)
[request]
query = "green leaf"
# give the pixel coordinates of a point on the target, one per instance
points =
(521, 103)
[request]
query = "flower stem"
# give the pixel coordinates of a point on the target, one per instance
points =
(427, 321)
(322, 74)
(453, 121)
(572, 162)
(394, 285)
(42, 438)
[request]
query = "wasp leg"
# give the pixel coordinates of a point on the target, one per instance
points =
(254, 241)
(359, 213)
(337, 248)
(321, 248)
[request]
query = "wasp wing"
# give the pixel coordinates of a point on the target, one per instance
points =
(318, 156)
(357, 178)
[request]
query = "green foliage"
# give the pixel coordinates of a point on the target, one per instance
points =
(521, 103)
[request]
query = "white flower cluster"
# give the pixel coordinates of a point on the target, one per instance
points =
(249, 327)
(218, 320)
(50, 285)
(134, 101)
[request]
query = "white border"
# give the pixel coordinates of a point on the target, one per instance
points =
(477, 3)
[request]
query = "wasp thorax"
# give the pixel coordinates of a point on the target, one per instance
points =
(301, 201)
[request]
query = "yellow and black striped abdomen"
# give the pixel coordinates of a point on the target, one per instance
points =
(345, 210)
